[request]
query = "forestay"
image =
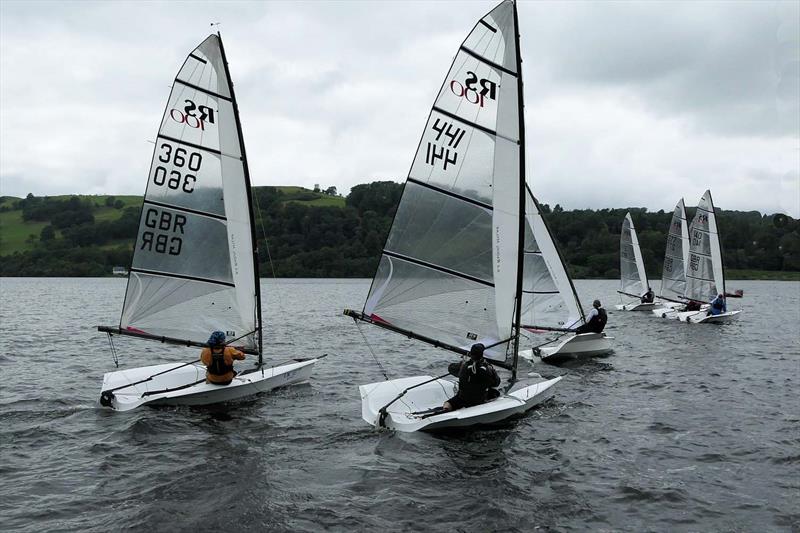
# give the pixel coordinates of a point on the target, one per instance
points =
(449, 269)
(193, 268)
(704, 275)
(548, 296)
(676, 256)
(631, 265)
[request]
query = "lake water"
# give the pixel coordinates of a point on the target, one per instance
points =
(684, 428)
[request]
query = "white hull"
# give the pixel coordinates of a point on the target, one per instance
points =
(636, 306)
(573, 347)
(672, 310)
(408, 413)
(187, 385)
(702, 317)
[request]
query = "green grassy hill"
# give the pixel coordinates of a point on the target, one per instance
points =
(18, 235)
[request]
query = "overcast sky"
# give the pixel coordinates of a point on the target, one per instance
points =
(627, 104)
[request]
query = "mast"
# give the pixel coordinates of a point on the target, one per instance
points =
(257, 278)
(522, 191)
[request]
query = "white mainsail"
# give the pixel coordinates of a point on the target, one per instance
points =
(194, 269)
(704, 275)
(449, 269)
(632, 274)
(548, 297)
(676, 256)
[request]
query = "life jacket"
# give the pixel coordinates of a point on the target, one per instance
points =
(218, 366)
(598, 322)
(475, 378)
(718, 304)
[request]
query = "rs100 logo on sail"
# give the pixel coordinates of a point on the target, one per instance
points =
(193, 115)
(475, 90)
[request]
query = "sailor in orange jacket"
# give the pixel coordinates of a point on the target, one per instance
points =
(218, 359)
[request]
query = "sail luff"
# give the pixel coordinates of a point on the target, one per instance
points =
(248, 188)
(522, 191)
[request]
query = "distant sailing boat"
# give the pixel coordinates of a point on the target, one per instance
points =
(633, 276)
(461, 264)
(705, 275)
(195, 265)
(676, 260)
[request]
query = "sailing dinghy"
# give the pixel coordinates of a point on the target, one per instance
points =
(633, 277)
(676, 259)
(550, 303)
(195, 265)
(452, 270)
(705, 275)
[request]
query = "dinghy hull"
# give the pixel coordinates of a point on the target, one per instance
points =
(574, 347)
(414, 410)
(702, 317)
(636, 307)
(186, 385)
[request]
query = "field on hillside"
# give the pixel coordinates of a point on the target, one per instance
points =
(17, 235)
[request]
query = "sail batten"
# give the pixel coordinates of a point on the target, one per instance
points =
(193, 270)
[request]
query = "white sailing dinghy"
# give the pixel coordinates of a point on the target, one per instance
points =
(705, 275)
(633, 277)
(451, 271)
(550, 302)
(195, 265)
(676, 259)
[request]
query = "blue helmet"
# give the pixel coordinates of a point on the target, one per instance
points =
(216, 338)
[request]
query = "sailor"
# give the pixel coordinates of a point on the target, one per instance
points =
(648, 297)
(596, 321)
(476, 378)
(693, 305)
(718, 305)
(218, 359)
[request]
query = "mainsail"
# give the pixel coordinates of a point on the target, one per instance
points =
(631, 265)
(549, 299)
(194, 267)
(676, 256)
(450, 270)
(704, 275)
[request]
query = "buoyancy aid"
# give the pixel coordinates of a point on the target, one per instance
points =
(598, 322)
(218, 366)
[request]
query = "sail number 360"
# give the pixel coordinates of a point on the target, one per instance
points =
(177, 179)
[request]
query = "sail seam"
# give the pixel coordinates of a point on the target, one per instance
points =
(202, 90)
(465, 121)
(193, 145)
(437, 267)
(186, 210)
(492, 64)
(181, 276)
(449, 193)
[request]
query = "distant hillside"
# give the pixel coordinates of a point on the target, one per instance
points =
(20, 235)
(314, 234)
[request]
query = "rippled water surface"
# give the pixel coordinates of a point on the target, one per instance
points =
(685, 427)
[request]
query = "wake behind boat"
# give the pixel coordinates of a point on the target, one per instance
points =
(452, 270)
(195, 264)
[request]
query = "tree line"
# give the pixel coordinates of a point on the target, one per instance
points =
(332, 241)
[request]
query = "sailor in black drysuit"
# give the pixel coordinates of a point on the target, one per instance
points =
(476, 378)
(596, 321)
